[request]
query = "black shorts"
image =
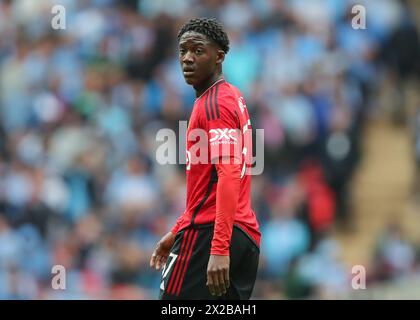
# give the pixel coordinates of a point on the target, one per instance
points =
(185, 273)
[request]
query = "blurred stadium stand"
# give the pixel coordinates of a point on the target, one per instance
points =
(79, 112)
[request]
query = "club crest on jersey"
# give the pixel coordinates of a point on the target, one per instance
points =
(223, 136)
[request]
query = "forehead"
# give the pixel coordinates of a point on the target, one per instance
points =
(194, 38)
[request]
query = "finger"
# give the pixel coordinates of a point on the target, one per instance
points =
(158, 262)
(216, 284)
(222, 285)
(153, 260)
(163, 261)
(210, 284)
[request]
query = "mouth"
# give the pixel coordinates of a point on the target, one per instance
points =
(188, 72)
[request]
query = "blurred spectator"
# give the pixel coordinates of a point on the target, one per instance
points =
(394, 256)
(286, 237)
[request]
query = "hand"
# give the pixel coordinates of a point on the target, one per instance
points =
(218, 274)
(161, 253)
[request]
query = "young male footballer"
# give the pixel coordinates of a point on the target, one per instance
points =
(212, 252)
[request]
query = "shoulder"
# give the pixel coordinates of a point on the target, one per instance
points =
(223, 100)
(228, 93)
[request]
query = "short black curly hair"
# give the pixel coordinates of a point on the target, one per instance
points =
(209, 27)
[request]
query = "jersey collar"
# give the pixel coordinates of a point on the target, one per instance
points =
(218, 81)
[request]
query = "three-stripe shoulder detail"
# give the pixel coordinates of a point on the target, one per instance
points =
(211, 103)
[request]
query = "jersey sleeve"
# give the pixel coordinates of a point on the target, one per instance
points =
(225, 148)
(227, 198)
(224, 134)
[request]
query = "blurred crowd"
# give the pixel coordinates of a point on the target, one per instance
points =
(80, 108)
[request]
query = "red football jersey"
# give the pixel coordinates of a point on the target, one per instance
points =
(219, 127)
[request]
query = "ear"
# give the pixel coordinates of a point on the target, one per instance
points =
(220, 56)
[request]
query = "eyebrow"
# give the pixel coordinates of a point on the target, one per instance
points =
(194, 42)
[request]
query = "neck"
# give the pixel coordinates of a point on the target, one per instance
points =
(200, 89)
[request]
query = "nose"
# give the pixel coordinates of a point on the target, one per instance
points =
(188, 58)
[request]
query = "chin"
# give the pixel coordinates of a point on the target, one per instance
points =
(190, 81)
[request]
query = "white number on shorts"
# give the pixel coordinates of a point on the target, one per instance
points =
(168, 266)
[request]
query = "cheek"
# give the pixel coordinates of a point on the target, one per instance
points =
(209, 64)
(204, 67)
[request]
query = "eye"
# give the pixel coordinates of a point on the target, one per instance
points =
(198, 51)
(181, 51)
